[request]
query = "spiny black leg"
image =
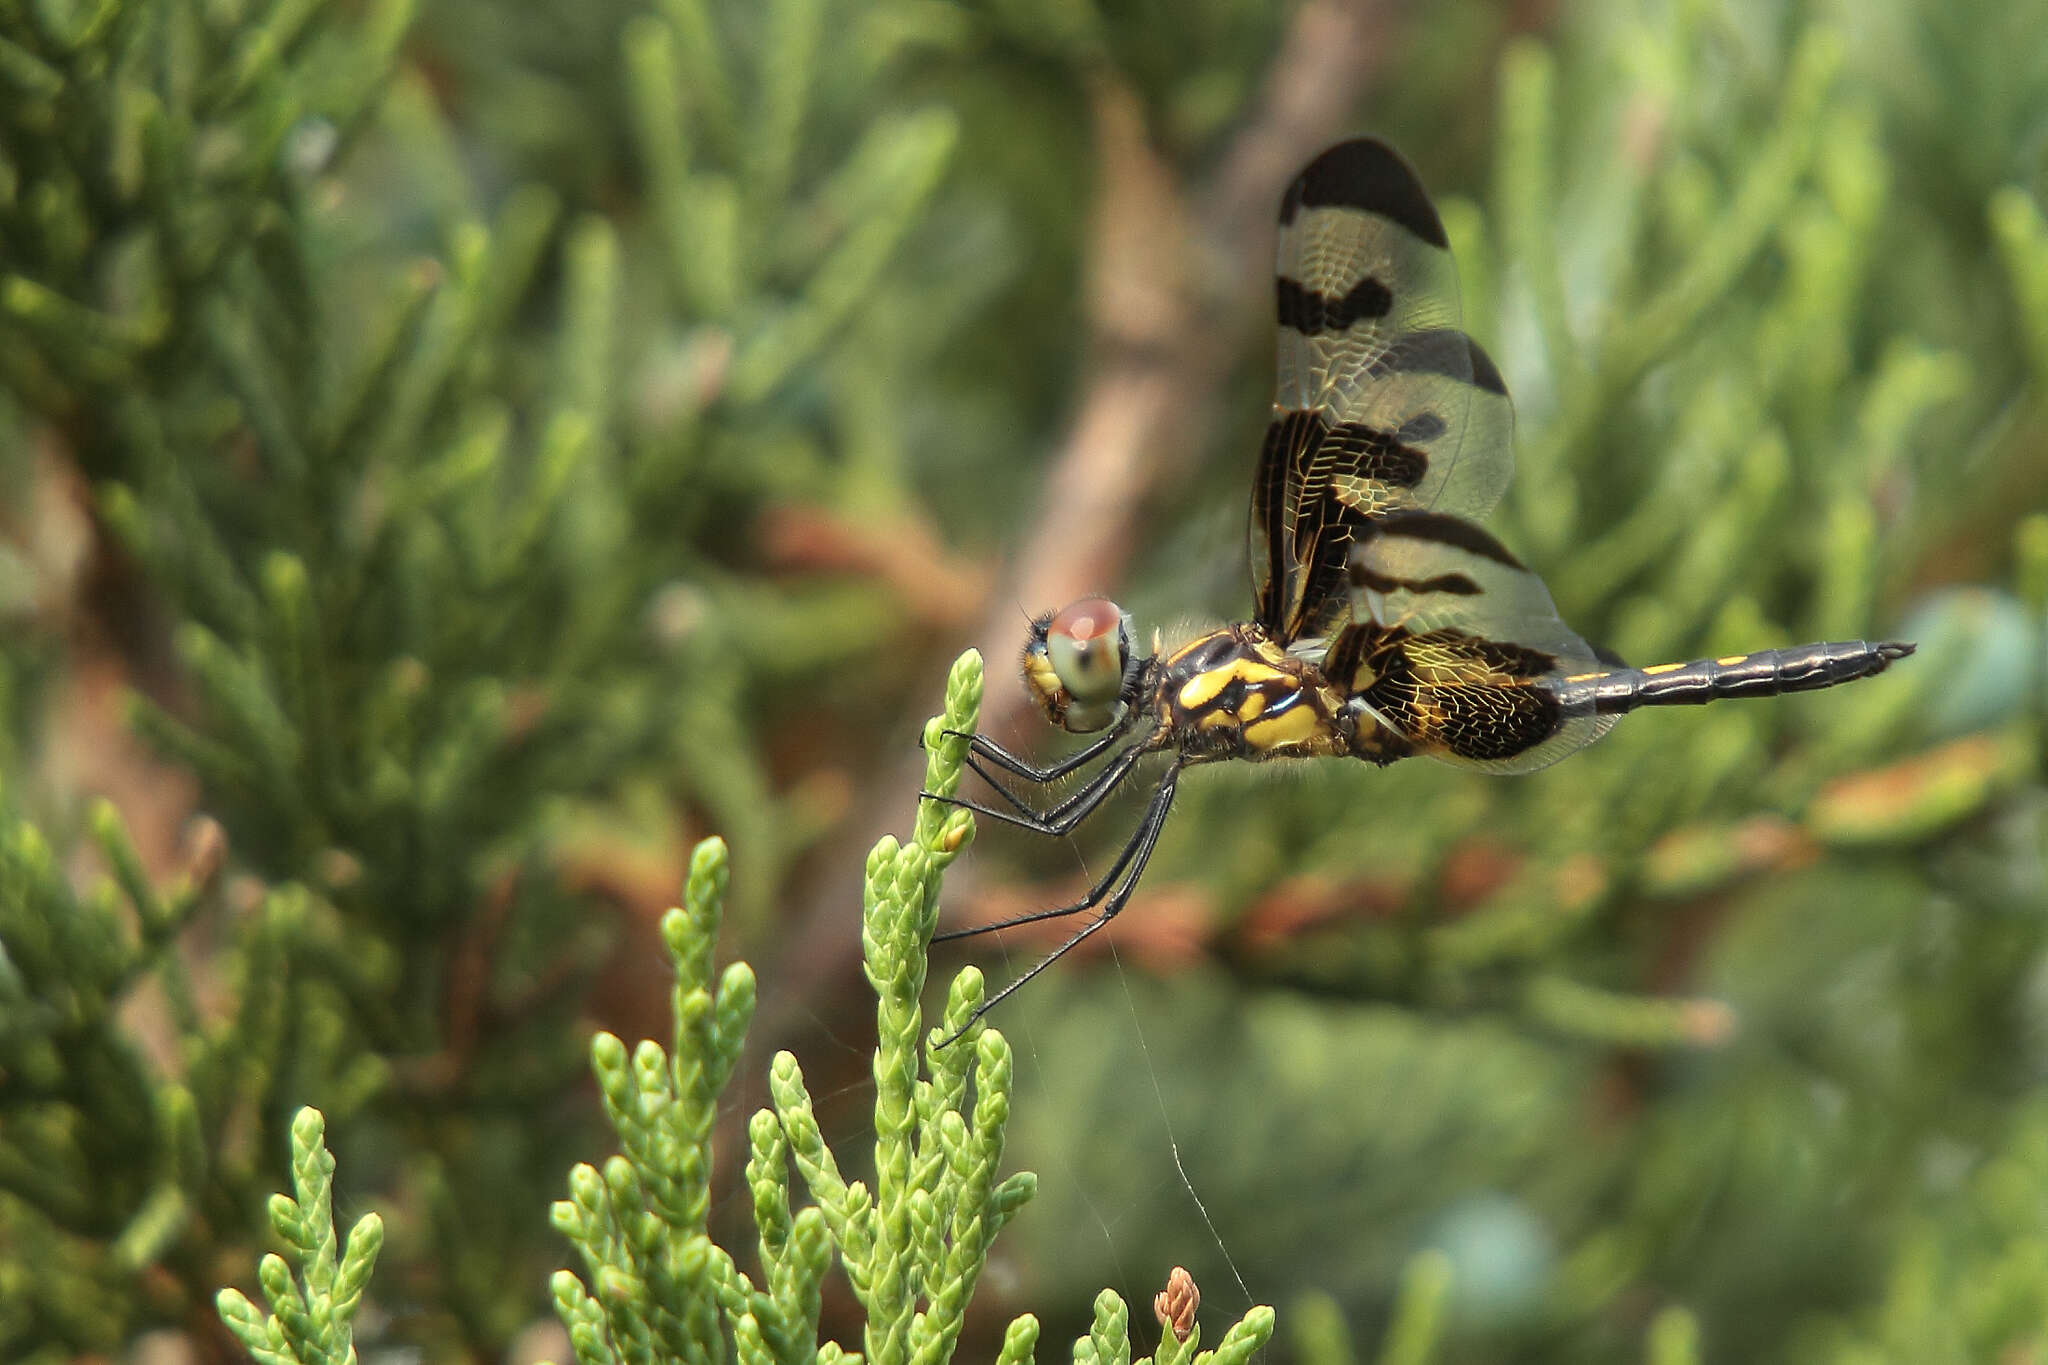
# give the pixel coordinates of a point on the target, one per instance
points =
(1009, 762)
(1087, 902)
(1010, 798)
(1131, 863)
(1062, 817)
(980, 747)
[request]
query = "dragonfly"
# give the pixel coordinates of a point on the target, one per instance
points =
(1387, 622)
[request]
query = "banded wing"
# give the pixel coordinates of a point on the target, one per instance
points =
(1458, 648)
(1383, 402)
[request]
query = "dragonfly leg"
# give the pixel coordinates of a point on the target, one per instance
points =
(1010, 798)
(1060, 818)
(1094, 897)
(1107, 897)
(984, 747)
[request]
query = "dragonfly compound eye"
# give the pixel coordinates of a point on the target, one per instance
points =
(1088, 646)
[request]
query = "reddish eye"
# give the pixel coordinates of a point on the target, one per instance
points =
(1086, 645)
(1086, 619)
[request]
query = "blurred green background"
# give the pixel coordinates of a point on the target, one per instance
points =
(455, 455)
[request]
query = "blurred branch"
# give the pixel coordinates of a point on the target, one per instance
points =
(1174, 277)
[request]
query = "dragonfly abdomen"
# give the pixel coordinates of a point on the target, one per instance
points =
(1804, 668)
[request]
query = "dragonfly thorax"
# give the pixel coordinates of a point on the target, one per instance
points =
(1237, 693)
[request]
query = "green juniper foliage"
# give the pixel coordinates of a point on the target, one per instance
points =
(913, 1244)
(113, 1167)
(310, 1313)
(655, 1286)
(439, 583)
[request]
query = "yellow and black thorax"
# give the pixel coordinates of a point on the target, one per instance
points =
(1235, 693)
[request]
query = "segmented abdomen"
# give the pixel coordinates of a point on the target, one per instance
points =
(1804, 668)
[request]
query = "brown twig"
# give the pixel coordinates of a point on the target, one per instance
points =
(1175, 282)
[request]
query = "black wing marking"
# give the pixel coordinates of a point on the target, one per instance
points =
(1458, 648)
(1383, 402)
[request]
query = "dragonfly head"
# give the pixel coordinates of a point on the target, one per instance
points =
(1077, 662)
